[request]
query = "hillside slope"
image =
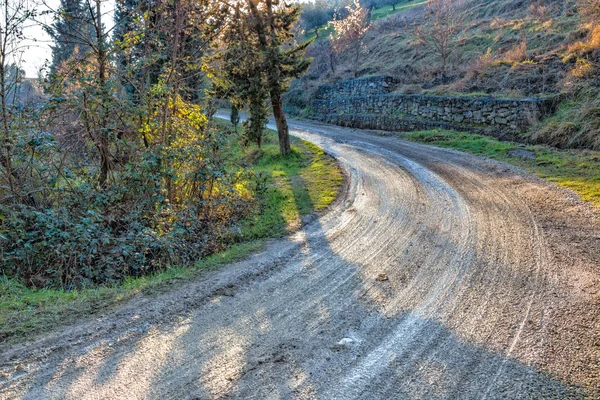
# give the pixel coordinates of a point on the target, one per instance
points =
(508, 48)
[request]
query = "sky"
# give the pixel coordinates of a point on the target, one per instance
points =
(38, 42)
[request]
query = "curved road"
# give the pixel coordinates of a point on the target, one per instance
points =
(436, 275)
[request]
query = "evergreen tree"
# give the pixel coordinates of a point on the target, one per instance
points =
(259, 57)
(234, 117)
(143, 30)
(125, 14)
(314, 16)
(71, 32)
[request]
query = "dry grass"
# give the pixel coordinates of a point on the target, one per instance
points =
(538, 10)
(518, 53)
(510, 48)
(576, 124)
(583, 68)
(481, 64)
(587, 46)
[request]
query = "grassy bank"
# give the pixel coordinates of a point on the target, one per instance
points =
(290, 187)
(578, 170)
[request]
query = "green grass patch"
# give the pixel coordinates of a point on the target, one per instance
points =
(307, 181)
(578, 170)
(25, 312)
(402, 5)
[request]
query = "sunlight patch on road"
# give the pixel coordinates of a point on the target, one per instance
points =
(106, 374)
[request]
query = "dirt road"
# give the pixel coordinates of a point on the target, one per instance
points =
(437, 275)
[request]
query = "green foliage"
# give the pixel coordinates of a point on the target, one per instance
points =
(258, 59)
(72, 32)
(307, 180)
(315, 15)
(99, 182)
(381, 10)
(234, 116)
(253, 127)
(134, 227)
(25, 311)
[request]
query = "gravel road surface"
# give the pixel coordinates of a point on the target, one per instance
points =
(435, 275)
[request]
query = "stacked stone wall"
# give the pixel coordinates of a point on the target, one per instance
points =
(367, 103)
(357, 87)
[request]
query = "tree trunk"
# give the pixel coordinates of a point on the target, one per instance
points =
(6, 160)
(444, 58)
(281, 122)
(103, 131)
(331, 62)
(356, 56)
(273, 74)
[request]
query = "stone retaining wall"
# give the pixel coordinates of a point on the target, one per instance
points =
(365, 103)
(357, 87)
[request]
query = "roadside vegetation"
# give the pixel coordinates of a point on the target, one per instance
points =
(578, 170)
(317, 15)
(115, 178)
(287, 188)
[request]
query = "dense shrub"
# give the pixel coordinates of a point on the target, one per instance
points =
(167, 205)
(79, 245)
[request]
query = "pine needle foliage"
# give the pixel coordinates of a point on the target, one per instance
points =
(258, 56)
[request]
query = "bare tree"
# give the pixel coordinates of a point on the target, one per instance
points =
(442, 23)
(13, 16)
(348, 33)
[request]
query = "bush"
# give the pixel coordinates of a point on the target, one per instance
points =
(82, 234)
(85, 242)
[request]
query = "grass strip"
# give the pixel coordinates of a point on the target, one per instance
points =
(578, 170)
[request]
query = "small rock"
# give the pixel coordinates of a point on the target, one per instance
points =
(382, 278)
(522, 154)
(345, 342)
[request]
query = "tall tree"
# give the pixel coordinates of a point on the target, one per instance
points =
(144, 30)
(259, 51)
(13, 16)
(125, 13)
(314, 16)
(71, 32)
(389, 3)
